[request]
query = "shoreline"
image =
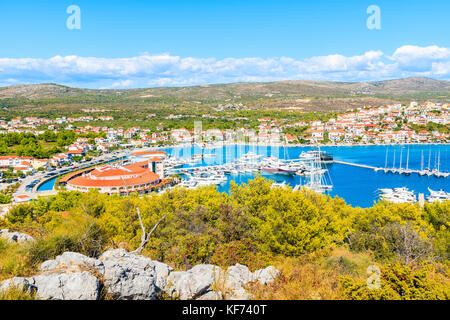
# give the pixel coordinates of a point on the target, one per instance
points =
(218, 145)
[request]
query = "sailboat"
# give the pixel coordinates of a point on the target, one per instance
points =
(429, 172)
(317, 181)
(393, 164)
(422, 172)
(385, 163)
(438, 172)
(407, 171)
(400, 170)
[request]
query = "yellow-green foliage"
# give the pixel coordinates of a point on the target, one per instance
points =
(77, 233)
(255, 225)
(54, 235)
(312, 276)
(400, 282)
(13, 260)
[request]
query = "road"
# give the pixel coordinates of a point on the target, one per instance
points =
(40, 176)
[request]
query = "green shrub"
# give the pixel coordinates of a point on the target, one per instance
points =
(87, 239)
(20, 214)
(3, 245)
(400, 282)
(244, 252)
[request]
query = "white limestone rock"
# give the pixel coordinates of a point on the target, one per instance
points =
(162, 273)
(66, 286)
(211, 295)
(188, 285)
(15, 237)
(128, 276)
(267, 275)
(73, 261)
(18, 283)
(238, 276)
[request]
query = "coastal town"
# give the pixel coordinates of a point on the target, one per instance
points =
(367, 125)
(392, 124)
(224, 156)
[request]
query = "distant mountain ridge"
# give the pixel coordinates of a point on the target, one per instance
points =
(397, 87)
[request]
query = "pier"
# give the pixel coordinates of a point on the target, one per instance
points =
(389, 170)
(357, 165)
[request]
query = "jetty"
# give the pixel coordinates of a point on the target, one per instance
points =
(357, 165)
(386, 170)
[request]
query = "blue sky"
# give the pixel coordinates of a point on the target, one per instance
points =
(157, 43)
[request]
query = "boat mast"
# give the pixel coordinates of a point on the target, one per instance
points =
(429, 161)
(439, 161)
(435, 160)
(407, 160)
(385, 162)
(393, 163)
(401, 156)
(421, 163)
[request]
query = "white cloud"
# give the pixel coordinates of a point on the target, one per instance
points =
(166, 70)
(420, 59)
(121, 84)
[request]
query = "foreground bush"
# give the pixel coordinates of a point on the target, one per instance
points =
(400, 282)
(255, 225)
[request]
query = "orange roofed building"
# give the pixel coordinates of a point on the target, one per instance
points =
(138, 177)
(149, 154)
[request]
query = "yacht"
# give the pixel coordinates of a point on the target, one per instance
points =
(188, 184)
(398, 195)
(250, 157)
(439, 196)
(279, 184)
(274, 165)
(313, 154)
(219, 178)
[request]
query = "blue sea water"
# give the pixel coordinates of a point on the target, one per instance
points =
(357, 186)
(47, 186)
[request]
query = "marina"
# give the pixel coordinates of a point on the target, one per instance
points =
(355, 173)
(352, 172)
(310, 165)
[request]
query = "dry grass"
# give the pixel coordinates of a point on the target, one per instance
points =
(15, 294)
(312, 277)
(13, 261)
(300, 280)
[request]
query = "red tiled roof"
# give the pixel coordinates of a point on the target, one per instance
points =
(144, 153)
(142, 179)
(133, 174)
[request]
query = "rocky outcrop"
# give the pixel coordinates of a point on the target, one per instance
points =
(208, 282)
(127, 276)
(15, 237)
(17, 283)
(267, 275)
(66, 286)
(54, 286)
(72, 261)
(191, 284)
